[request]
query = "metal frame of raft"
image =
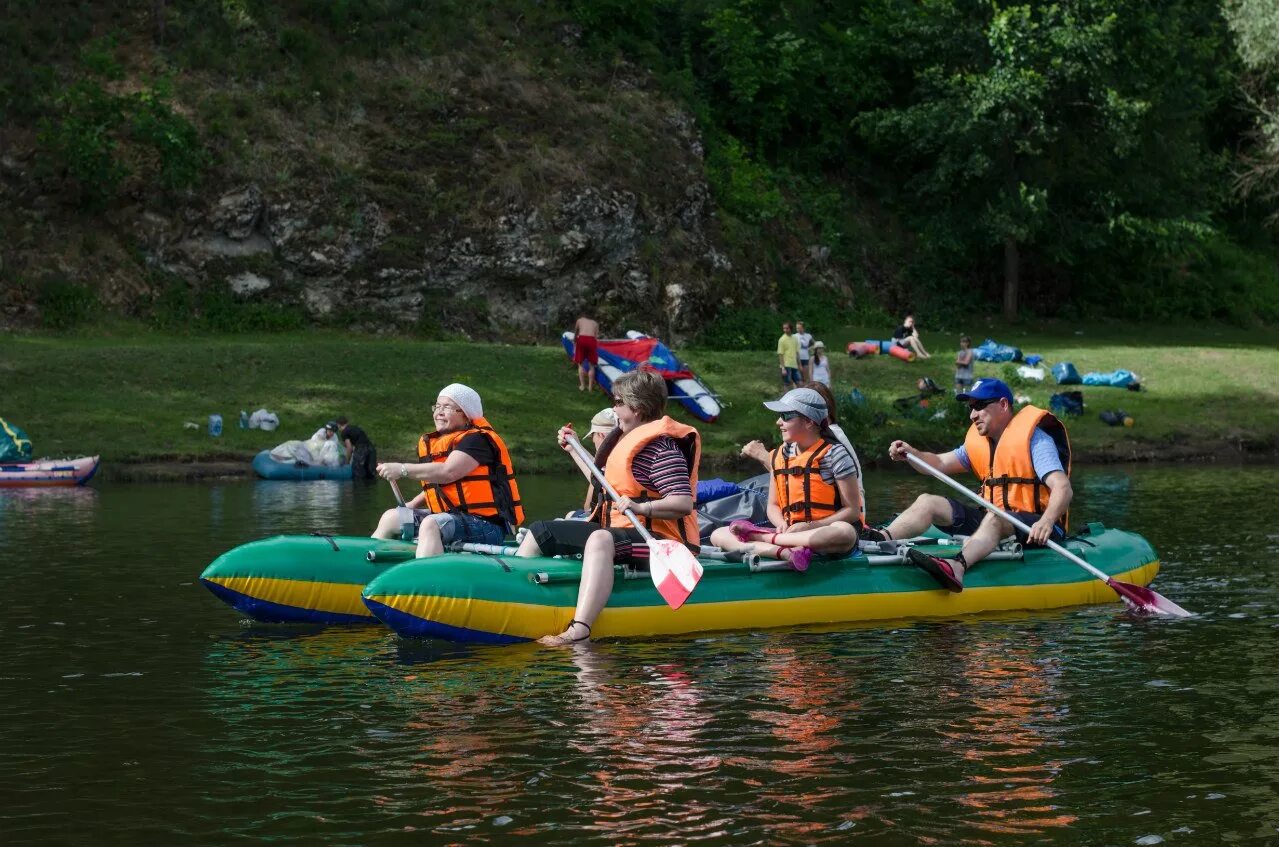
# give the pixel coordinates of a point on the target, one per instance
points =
(502, 599)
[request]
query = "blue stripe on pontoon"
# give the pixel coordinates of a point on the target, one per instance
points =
(267, 612)
(411, 626)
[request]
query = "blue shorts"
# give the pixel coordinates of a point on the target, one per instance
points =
(791, 375)
(461, 526)
(965, 518)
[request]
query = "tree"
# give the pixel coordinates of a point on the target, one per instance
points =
(1255, 24)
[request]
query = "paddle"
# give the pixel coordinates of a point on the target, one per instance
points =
(673, 567)
(403, 512)
(1138, 599)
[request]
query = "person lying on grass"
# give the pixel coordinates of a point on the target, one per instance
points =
(814, 500)
(651, 462)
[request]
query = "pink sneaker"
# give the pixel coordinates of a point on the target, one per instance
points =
(745, 530)
(800, 557)
(938, 568)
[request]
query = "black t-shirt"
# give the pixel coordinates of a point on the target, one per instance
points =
(479, 448)
(356, 436)
(902, 331)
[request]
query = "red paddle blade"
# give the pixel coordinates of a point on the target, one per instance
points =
(1146, 601)
(674, 569)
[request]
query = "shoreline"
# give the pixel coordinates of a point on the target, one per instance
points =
(227, 467)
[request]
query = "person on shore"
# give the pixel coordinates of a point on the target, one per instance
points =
(805, 341)
(757, 451)
(788, 357)
(651, 461)
(1023, 462)
(358, 449)
(907, 335)
(964, 365)
(815, 498)
(586, 354)
(820, 368)
(469, 492)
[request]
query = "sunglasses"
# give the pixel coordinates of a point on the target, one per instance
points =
(978, 405)
(789, 416)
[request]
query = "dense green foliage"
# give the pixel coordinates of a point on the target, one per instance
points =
(1081, 149)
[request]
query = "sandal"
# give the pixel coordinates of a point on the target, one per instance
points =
(938, 568)
(564, 639)
(800, 557)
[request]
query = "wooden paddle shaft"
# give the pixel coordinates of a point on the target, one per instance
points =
(599, 477)
(972, 495)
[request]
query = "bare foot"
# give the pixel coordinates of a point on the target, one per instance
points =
(578, 632)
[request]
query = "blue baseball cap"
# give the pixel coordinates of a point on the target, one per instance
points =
(987, 389)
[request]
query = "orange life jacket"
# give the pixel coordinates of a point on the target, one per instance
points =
(489, 491)
(617, 470)
(802, 494)
(1011, 483)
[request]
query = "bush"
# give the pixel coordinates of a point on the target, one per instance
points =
(65, 304)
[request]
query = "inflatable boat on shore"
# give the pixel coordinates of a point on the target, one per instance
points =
(46, 472)
(268, 468)
(501, 599)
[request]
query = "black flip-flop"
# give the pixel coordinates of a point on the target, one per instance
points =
(939, 569)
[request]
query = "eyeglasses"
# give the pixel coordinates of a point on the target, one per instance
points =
(444, 407)
(978, 405)
(618, 402)
(789, 416)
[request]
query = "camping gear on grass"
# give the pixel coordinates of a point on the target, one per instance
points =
(1066, 403)
(992, 351)
(1027, 372)
(499, 598)
(1114, 379)
(1065, 374)
(1117, 417)
(47, 472)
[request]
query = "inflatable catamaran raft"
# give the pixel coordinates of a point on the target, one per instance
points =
(497, 598)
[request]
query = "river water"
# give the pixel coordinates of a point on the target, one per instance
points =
(137, 707)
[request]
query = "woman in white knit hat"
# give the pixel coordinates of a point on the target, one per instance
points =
(469, 492)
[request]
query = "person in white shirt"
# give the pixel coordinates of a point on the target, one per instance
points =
(805, 339)
(820, 364)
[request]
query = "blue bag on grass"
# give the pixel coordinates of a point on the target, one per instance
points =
(1115, 379)
(1065, 374)
(991, 351)
(1066, 403)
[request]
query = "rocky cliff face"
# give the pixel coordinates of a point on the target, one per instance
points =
(641, 256)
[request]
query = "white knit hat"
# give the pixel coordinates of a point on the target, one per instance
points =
(467, 399)
(604, 422)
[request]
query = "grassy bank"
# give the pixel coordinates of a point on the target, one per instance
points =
(1210, 391)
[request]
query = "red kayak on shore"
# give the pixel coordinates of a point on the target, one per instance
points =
(46, 472)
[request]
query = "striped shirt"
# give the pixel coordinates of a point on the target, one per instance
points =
(834, 464)
(660, 466)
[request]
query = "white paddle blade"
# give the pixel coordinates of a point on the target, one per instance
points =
(674, 569)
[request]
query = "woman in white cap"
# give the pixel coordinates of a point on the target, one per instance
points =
(469, 493)
(651, 462)
(820, 364)
(814, 500)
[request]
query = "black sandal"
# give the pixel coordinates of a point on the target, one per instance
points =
(563, 640)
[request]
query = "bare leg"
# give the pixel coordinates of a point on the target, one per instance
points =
(593, 594)
(927, 510)
(429, 541)
(724, 539)
(528, 547)
(388, 526)
(981, 542)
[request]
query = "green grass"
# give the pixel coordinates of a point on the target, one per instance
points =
(126, 394)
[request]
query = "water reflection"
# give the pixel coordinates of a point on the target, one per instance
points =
(65, 505)
(281, 506)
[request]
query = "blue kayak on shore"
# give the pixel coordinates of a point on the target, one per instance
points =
(269, 468)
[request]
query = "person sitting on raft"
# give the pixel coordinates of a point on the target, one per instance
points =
(1023, 462)
(757, 451)
(469, 493)
(814, 498)
(651, 461)
(604, 422)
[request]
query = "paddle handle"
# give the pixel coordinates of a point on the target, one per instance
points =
(395, 487)
(608, 489)
(972, 495)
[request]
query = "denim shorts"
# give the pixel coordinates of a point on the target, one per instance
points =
(461, 526)
(966, 517)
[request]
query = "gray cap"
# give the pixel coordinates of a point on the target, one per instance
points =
(806, 401)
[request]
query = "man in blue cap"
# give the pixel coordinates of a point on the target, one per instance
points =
(1023, 461)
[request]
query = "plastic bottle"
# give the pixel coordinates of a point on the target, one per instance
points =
(215, 425)
(244, 419)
